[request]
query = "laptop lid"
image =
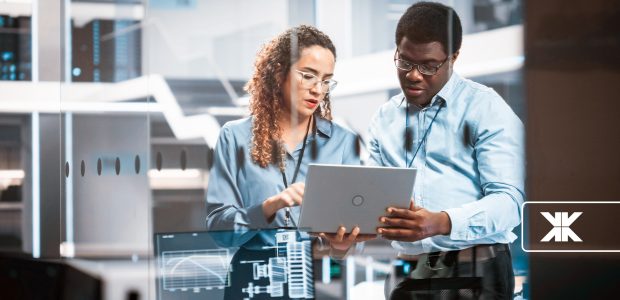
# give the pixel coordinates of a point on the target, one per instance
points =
(342, 195)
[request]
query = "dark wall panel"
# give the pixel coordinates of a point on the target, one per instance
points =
(572, 78)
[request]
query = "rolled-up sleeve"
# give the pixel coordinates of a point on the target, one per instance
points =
(225, 208)
(499, 152)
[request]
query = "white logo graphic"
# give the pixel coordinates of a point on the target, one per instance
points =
(561, 231)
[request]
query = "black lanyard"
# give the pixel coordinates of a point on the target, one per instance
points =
(301, 155)
(299, 160)
(407, 162)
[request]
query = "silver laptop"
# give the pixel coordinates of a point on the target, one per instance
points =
(340, 195)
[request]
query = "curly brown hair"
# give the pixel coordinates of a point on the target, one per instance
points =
(273, 63)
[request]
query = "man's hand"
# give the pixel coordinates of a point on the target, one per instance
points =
(413, 224)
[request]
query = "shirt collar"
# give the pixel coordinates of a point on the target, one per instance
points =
(323, 126)
(446, 92)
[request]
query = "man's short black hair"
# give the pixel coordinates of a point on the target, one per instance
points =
(426, 22)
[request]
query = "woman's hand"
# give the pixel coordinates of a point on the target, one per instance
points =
(291, 196)
(340, 242)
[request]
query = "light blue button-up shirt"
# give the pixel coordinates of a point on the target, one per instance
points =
(471, 165)
(237, 186)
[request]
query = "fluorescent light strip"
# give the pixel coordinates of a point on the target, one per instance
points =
(370, 270)
(36, 201)
(350, 275)
(326, 278)
(103, 107)
(173, 173)
(12, 174)
(228, 111)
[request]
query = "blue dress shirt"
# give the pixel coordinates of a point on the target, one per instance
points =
(238, 186)
(471, 165)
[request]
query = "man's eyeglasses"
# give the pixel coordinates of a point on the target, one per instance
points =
(309, 80)
(422, 68)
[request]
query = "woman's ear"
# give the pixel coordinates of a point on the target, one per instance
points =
(278, 70)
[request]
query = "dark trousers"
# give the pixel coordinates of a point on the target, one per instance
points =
(445, 277)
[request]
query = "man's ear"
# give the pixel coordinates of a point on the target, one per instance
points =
(455, 56)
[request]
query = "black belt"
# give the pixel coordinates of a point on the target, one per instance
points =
(478, 252)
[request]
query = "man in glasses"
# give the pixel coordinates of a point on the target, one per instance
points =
(467, 145)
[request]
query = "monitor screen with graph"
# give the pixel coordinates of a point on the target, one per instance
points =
(191, 265)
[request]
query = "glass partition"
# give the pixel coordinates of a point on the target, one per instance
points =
(15, 68)
(106, 106)
(110, 123)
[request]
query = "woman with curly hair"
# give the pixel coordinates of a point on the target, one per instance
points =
(261, 161)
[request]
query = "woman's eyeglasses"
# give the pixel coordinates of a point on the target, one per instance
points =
(309, 81)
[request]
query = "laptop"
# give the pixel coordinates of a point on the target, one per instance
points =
(343, 195)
